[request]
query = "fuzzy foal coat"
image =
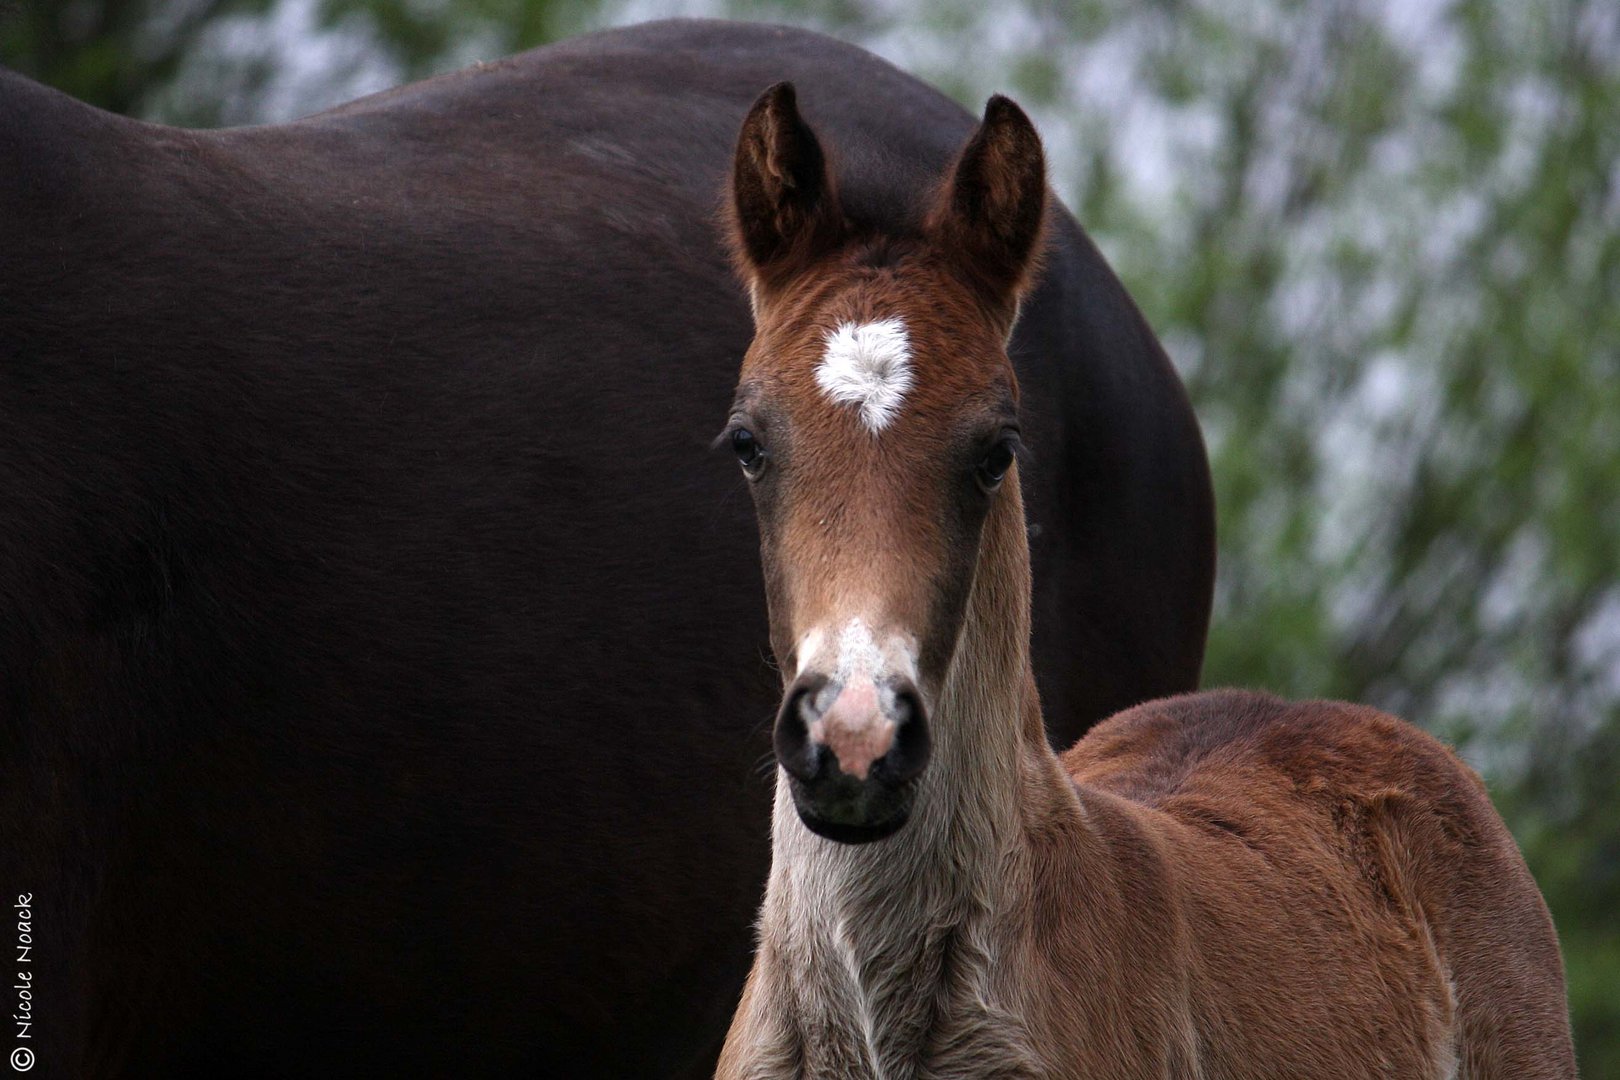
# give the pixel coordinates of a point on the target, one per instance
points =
(1220, 886)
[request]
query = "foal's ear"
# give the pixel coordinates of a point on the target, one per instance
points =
(990, 213)
(783, 207)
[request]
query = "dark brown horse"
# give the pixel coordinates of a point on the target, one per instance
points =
(383, 669)
(1213, 887)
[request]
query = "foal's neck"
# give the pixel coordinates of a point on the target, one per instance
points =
(892, 938)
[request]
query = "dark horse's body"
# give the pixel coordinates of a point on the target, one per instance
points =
(370, 616)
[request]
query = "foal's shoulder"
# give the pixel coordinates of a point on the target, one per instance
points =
(1240, 740)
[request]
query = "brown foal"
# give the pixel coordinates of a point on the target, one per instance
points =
(1223, 885)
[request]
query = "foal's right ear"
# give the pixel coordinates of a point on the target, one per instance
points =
(783, 208)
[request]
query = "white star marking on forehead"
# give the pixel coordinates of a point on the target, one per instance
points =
(868, 365)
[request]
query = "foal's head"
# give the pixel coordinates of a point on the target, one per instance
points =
(876, 420)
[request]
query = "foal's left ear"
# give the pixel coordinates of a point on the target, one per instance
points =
(990, 214)
(784, 211)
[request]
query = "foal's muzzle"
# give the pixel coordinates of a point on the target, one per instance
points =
(851, 751)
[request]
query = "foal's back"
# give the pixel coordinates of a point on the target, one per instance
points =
(1344, 900)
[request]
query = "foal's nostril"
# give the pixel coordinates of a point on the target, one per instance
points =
(851, 750)
(808, 759)
(909, 754)
(794, 750)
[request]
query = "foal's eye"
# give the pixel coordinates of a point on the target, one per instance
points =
(748, 450)
(994, 465)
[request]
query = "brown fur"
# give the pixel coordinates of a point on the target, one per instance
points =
(1221, 885)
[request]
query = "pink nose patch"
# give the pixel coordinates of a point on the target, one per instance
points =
(855, 729)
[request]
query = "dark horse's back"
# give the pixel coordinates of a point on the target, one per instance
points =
(383, 669)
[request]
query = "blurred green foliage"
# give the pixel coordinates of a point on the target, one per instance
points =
(1382, 242)
(117, 54)
(213, 62)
